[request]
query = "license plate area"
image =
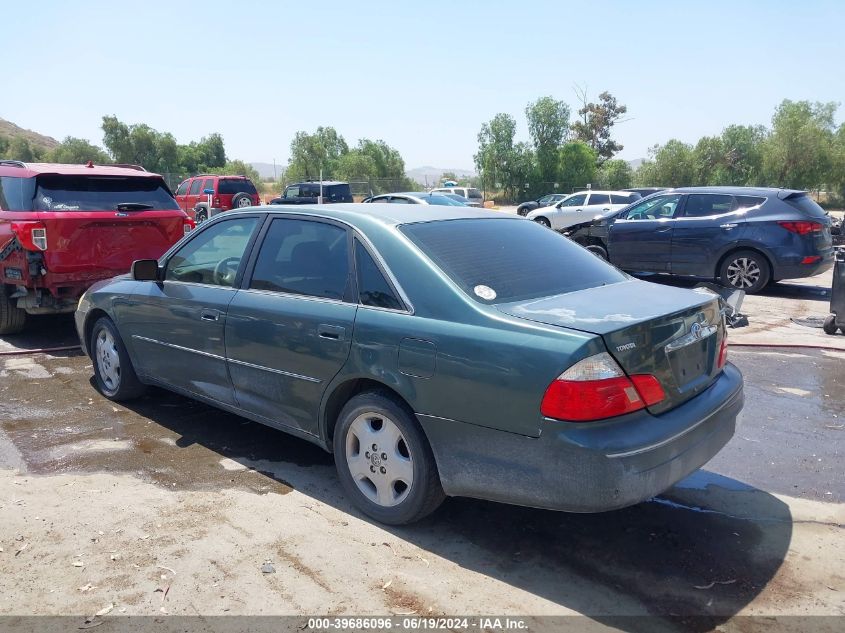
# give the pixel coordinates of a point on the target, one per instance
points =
(693, 363)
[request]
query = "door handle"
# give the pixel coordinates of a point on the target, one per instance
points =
(728, 227)
(331, 332)
(606, 209)
(662, 229)
(207, 314)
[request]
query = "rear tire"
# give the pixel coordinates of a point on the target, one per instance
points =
(200, 215)
(598, 251)
(12, 318)
(544, 221)
(384, 461)
(829, 325)
(745, 270)
(113, 371)
(241, 201)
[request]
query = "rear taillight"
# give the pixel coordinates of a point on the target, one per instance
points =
(31, 235)
(723, 352)
(802, 227)
(596, 388)
(216, 202)
(188, 225)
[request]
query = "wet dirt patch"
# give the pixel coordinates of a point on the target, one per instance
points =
(65, 425)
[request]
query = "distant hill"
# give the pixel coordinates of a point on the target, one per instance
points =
(9, 130)
(432, 174)
(635, 164)
(266, 171)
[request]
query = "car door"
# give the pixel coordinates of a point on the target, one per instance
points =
(176, 326)
(289, 328)
(194, 194)
(181, 194)
(567, 211)
(641, 237)
(708, 225)
(597, 203)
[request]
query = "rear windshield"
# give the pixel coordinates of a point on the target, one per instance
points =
(496, 261)
(805, 203)
(235, 185)
(99, 193)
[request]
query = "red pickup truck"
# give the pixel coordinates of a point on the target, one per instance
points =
(65, 227)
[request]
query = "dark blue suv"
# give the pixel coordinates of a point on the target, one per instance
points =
(743, 236)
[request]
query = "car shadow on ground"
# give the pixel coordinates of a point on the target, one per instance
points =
(42, 332)
(780, 289)
(691, 559)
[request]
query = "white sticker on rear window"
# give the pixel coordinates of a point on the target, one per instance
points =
(485, 292)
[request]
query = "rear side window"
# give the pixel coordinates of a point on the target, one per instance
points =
(702, 205)
(195, 187)
(304, 258)
(100, 193)
(209, 184)
(474, 194)
(599, 198)
(514, 259)
(16, 194)
(235, 185)
(373, 289)
(615, 198)
(804, 203)
(337, 193)
(746, 202)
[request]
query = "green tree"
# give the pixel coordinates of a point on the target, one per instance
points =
(498, 160)
(239, 168)
(20, 149)
(798, 152)
(595, 124)
(615, 174)
(4, 146)
(708, 161)
(671, 165)
(77, 151)
(577, 165)
(355, 165)
(309, 153)
(548, 124)
(743, 154)
(140, 145)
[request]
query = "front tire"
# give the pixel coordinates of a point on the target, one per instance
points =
(12, 318)
(113, 371)
(384, 461)
(598, 251)
(829, 325)
(745, 270)
(200, 215)
(544, 221)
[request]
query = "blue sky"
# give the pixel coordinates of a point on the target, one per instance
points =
(423, 76)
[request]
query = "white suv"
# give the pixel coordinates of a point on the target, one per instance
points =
(581, 206)
(472, 194)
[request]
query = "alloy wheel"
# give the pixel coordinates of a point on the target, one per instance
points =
(108, 360)
(379, 460)
(743, 272)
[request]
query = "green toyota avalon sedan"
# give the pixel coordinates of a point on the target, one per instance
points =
(434, 350)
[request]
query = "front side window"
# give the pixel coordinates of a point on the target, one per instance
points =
(700, 205)
(183, 187)
(373, 288)
(396, 200)
(654, 208)
(214, 255)
(574, 201)
(303, 257)
(195, 187)
(501, 260)
(292, 192)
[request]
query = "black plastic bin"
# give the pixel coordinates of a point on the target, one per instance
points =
(836, 320)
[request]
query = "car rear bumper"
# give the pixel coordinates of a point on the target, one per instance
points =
(587, 467)
(797, 271)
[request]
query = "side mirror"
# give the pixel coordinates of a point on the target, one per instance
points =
(145, 270)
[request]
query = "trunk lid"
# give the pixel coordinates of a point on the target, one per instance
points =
(671, 333)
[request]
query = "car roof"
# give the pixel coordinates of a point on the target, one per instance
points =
(28, 170)
(608, 191)
(383, 213)
(740, 191)
(326, 183)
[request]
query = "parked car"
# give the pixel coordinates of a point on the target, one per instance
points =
(580, 206)
(228, 192)
(646, 191)
(745, 237)
(309, 193)
(460, 200)
(475, 197)
(441, 351)
(65, 227)
(543, 201)
(415, 197)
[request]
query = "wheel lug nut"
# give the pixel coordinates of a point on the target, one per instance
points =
(384, 456)
(372, 469)
(367, 454)
(375, 447)
(383, 470)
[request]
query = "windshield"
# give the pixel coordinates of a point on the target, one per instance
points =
(100, 193)
(501, 260)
